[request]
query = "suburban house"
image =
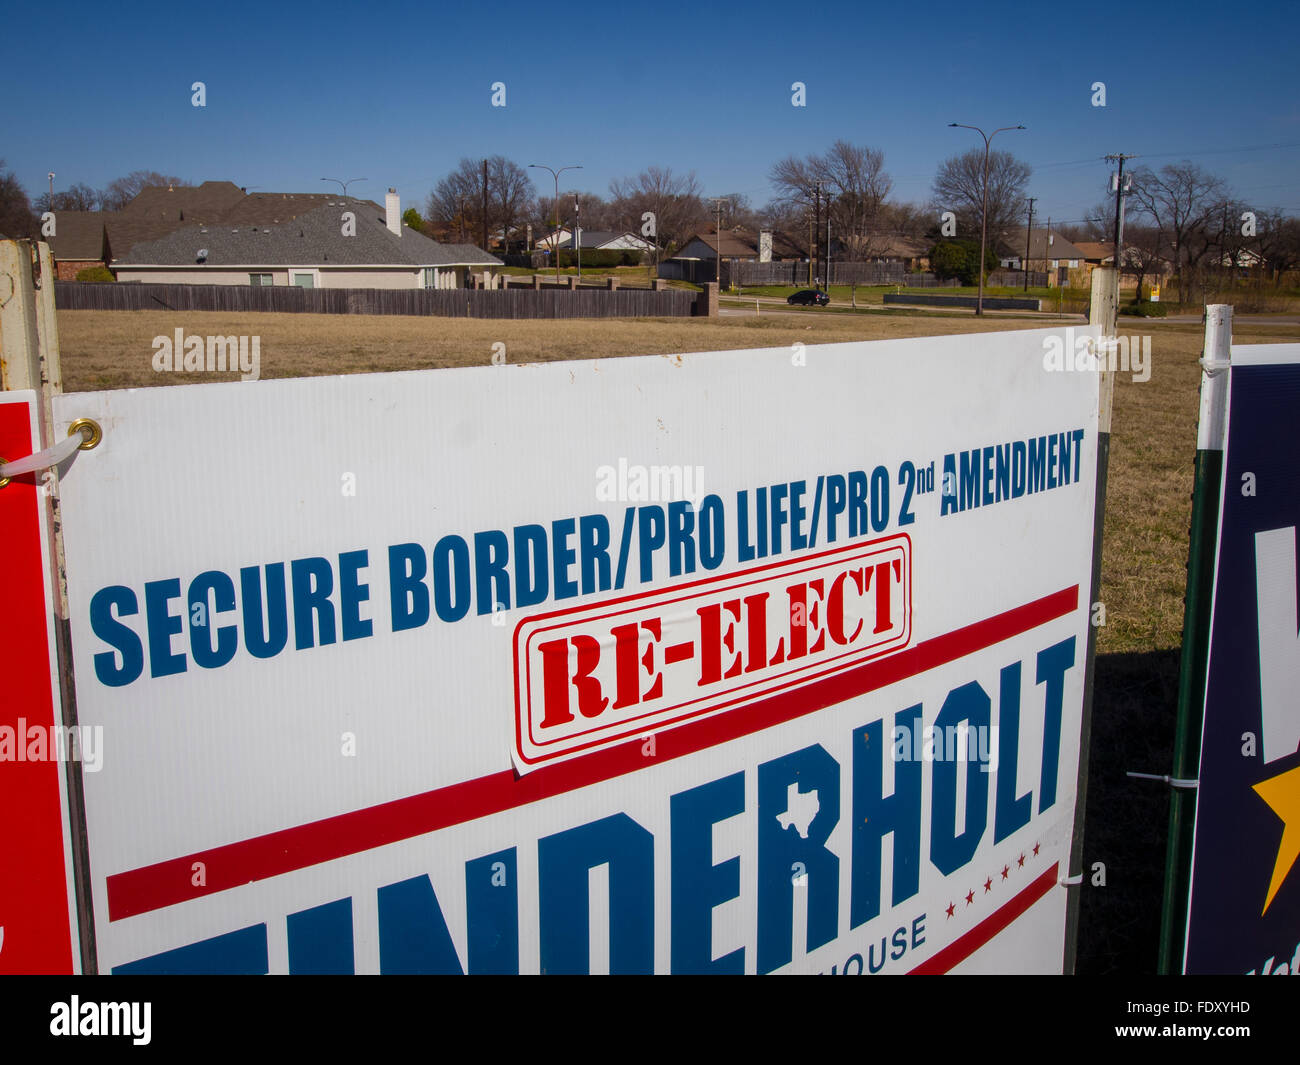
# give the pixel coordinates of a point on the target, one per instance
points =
(593, 240)
(79, 241)
(1097, 253)
(342, 243)
(741, 244)
(1048, 252)
(83, 239)
(913, 254)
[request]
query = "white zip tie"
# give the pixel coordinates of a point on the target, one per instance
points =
(1174, 782)
(1071, 881)
(51, 456)
(83, 434)
(1214, 366)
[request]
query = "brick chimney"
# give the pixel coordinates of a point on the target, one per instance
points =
(393, 212)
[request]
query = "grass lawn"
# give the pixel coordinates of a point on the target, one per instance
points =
(114, 349)
(1144, 552)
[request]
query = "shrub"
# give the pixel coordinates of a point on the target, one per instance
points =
(601, 259)
(958, 258)
(95, 273)
(1146, 309)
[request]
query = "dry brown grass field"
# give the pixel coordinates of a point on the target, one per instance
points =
(1153, 446)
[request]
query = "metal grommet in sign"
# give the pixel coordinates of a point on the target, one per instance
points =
(3, 480)
(90, 431)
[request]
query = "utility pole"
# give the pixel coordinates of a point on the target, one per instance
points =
(485, 207)
(1047, 243)
(810, 249)
(577, 237)
(51, 190)
(1029, 229)
(1121, 187)
(827, 286)
(984, 211)
(817, 200)
(718, 200)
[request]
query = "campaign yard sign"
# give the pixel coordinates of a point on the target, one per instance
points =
(1244, 902)
(750, 661)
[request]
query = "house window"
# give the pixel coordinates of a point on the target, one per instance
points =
(261, 280)
(430, 277)
(304, 280)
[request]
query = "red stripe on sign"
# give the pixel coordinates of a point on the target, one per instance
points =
(34, 911)
(964, 946)
(152, 887)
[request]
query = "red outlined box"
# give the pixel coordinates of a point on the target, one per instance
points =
(704, 646)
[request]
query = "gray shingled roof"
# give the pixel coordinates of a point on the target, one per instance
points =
(272, 208)
(312, 239)
(592, 238)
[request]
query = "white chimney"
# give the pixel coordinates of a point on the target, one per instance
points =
(393, 212)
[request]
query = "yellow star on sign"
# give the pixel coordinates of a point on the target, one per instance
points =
(1282, 793)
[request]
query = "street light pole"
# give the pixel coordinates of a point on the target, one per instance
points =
(555, 235)
(984, 210)
(344, 184)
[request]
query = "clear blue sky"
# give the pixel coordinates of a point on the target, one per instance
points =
(399, 93)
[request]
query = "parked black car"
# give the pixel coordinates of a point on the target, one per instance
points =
(807, 297)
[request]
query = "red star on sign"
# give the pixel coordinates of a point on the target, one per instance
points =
(1035, 850)
(970, 897)
(1021, 863)
(1005, 869)
(950, 909)
(988, 885)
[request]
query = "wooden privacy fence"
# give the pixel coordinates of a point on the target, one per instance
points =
(445, 303)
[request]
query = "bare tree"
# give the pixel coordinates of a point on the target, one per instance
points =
(1278, 242)
(854, 186)
(1099, 224)
(15, 210)
(790, 219)
(457, 200)
(117, 194)
(738, 212)
(858, 186)
(673, 199)
(594, 210)
(907, 219)
(959, 187)
(79, 197)
(1147, 252)
(510, 196)
(1183, 202)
